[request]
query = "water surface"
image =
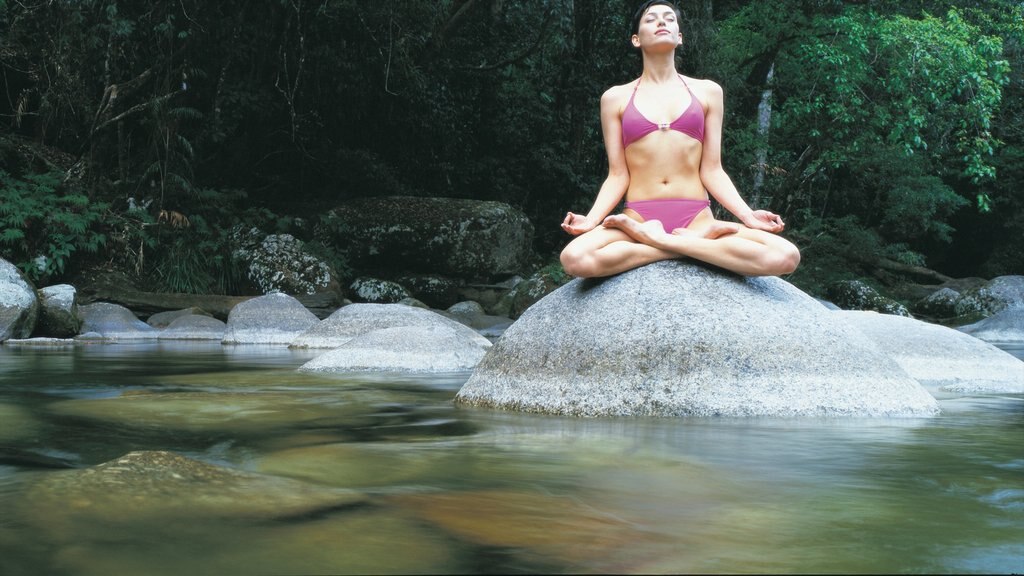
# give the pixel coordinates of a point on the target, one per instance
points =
(442, 489)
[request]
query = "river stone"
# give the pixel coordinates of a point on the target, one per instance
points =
(114, 322)
(405, 349)
(271, 319)
(58, 314)
(194, 327)
(19, 306)
(1005, 327)
(355, 540)
(358, 319)
(280, 263)
(377, 291)
(164, 319)
(350, 465)
(941, 356)
(675, 338)
(457, 238)
(145, 485)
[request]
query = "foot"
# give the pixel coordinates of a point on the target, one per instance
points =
(715, 230)
(649, 232)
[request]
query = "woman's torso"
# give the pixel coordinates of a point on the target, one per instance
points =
(662, 134)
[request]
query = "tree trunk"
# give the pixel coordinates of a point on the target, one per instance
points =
(764, 122)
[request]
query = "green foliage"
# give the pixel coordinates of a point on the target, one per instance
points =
(42, 227)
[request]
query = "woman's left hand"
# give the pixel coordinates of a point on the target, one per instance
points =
(764, 220)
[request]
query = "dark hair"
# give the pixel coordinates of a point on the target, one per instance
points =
(646, 5)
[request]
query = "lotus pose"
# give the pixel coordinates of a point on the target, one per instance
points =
(663, 136)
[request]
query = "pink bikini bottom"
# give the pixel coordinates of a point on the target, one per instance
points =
(671, 212)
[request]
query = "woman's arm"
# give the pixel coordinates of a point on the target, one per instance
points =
(713, 175)
(617, 182)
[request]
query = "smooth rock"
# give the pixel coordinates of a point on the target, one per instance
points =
(164, 319)
(114, 322)
(404, 349)
(194, 327)
(675, 338)
(271, 319)
(358, 319)
(942, 356)
(1005, 327)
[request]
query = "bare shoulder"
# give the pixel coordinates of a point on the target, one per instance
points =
(617, 96)
(708, 91)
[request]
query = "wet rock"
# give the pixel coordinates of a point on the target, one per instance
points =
(270, 319)
(114, 322)
(194, 327)
(142, 486)
(405, 349)
(1004, 327)
(349, 465)
(358, 319)
(19, 305)
(675, 338)
(164, 319)
(856, 295)
(941, 356)
(58, 312)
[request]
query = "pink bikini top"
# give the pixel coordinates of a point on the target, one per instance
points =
(635, 126)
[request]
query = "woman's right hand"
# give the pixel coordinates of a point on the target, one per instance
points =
(575, 224)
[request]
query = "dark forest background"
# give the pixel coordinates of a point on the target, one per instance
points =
(887, 133)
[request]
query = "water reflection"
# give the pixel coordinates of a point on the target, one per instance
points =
(451, 489)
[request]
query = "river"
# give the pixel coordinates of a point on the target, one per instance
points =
(429, 487)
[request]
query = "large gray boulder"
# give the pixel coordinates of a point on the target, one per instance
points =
(58, 313)
(114, 322)
(19, 306)
(1005, 327)
(271, 319)
(941, 356)
(358, 319)
(674, 338)
(470, 239)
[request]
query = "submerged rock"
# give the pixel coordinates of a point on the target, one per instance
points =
(142, 486)
(941, 356)
(271, 319)
(675, 338)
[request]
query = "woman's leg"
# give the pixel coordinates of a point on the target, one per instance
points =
(606, 251)
(747, 251)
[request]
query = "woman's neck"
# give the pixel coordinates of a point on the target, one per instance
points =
(659, 68)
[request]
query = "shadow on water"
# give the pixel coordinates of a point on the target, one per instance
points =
(286, 472)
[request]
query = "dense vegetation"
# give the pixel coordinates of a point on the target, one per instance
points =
(886, 133)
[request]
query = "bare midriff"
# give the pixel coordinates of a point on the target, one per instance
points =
(663, 165)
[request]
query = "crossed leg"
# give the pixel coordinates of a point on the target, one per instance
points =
(623, 243)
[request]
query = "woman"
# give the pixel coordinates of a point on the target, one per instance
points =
(663, 136)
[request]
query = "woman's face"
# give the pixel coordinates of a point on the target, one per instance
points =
(658, 25)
